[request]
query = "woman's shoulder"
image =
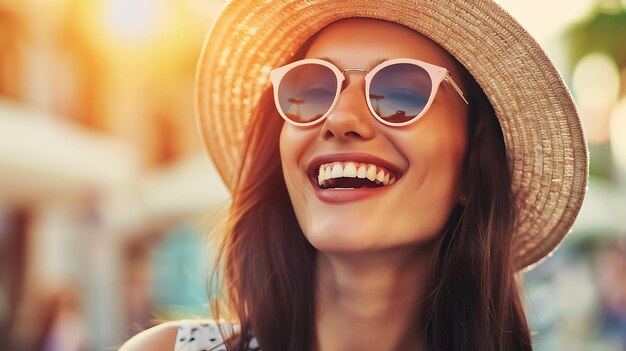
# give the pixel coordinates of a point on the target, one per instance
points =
(183, 335)
(158, 338)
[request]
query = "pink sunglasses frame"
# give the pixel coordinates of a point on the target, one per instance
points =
(437, 75)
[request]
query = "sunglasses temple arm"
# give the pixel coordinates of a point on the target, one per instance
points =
(449, 79)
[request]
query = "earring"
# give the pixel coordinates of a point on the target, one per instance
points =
(463, 200)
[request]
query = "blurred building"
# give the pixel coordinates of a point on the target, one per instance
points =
(99, 161)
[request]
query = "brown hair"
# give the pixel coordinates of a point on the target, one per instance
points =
(474, 302)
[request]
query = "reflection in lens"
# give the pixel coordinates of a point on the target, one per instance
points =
(400, 92)
(307, 92)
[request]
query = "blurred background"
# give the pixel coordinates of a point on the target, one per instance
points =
(104, 185)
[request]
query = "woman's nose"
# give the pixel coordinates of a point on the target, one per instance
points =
(350, 118)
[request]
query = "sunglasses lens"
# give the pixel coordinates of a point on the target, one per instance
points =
(307, 92)
(400, 92)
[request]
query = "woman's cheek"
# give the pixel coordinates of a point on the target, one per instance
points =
(294, 144)
(287, 146)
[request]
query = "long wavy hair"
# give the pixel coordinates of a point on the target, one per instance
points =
(473, 299)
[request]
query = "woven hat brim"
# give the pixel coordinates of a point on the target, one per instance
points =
(545, 143)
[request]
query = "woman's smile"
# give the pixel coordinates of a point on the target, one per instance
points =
(344, 177)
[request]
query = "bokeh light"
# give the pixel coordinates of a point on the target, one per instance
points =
(133, 20)
(596, 86)
(618, 135)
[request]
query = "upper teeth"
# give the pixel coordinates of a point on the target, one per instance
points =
(372, 172)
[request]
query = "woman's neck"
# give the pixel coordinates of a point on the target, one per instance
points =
(371, 301)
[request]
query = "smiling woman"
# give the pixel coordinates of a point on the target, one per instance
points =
(387, 187)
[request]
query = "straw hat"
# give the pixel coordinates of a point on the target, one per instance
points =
(542, 130)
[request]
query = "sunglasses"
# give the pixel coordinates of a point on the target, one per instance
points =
(398, 91)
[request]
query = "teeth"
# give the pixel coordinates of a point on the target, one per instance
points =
(337, 171)
(371, 172)
(350, 170)
(380, 176)
(361, 172)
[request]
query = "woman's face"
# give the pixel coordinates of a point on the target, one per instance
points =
(428, 155)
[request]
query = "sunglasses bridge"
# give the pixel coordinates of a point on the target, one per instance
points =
(355, 70)
(360, 70)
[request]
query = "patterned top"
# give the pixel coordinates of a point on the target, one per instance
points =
(204, 335)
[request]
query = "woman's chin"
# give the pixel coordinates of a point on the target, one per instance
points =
(343, 241)
(363, 239)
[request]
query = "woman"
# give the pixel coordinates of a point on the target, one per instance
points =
(427, 151)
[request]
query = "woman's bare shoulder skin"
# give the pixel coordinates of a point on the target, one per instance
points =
(158, 338)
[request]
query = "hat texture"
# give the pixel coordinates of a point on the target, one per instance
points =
(544, 139)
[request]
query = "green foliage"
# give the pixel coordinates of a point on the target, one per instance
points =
(601, 32)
